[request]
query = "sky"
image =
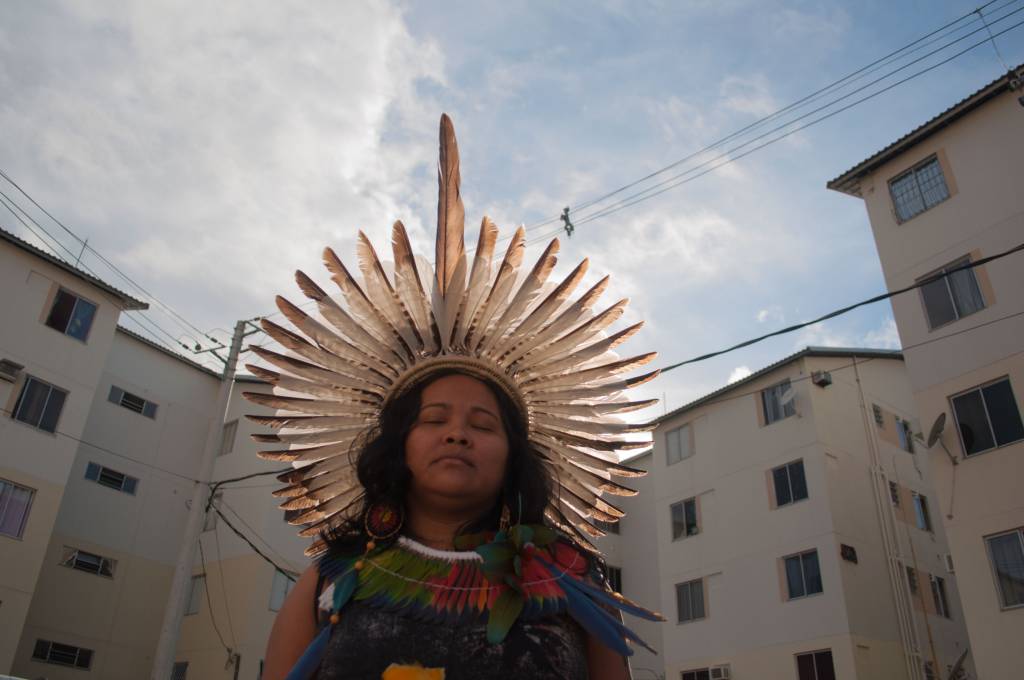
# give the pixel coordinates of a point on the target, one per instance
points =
(207, 150)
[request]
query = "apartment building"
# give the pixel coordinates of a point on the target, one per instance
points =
(946, 195)
(797, 529)
(58, 328)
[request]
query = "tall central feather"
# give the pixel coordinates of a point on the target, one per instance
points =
(451, 215)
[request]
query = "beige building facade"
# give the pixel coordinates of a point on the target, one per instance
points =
(942, 198)
(797, 529)
(58, 327)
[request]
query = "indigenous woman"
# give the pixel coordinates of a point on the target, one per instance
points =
(451, 455)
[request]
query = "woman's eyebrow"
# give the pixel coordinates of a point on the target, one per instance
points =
(436, 404)
(484, 409)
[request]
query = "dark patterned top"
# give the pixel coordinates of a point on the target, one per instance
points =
(367, 640)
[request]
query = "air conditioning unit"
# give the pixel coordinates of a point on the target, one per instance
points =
(821, 378)
(9, 370)
(948, 559)
(720, 672)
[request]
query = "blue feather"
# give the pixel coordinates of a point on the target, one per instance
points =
(310, 660)
(596, 621)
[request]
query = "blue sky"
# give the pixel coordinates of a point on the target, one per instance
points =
(208, 151)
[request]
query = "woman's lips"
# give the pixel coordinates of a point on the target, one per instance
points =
(455, 459)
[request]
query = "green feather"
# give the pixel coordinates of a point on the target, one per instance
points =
(503, 614)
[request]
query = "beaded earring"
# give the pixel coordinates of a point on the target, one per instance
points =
(382, 521)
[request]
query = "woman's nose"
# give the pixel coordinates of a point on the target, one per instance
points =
(456, 435)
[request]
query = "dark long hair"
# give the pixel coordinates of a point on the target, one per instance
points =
(380, 467)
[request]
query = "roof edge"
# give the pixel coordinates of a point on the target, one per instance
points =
(810, 351)
(849, 182)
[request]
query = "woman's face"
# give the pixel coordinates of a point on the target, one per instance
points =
(457, 448)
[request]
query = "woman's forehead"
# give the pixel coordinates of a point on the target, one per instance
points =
(459, 389)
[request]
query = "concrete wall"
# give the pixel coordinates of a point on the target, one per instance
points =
(981, 157)
(119, 618)
(30, 457)
(750, 623)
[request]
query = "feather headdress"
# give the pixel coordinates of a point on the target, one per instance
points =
(386, 334)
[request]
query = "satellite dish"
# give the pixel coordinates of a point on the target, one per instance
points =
(935, 436)
(936, 431)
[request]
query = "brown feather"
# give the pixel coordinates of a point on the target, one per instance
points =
(451, 215)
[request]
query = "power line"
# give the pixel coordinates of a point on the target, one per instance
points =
(843, 310)
(846, 80)
(245, 524)
(251, 544)
(681, 178)
(114, 453)
(86, 246)
(209, 602)
(10, 205)
(223, 584)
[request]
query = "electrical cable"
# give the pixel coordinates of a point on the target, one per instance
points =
(114, 453)
(682, 178)
(223, 585)
(270, 548)
(4, 198)
(843, 310)
(107, 262)
(253, 545)
(209, 602)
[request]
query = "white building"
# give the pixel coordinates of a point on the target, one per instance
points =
(946, 195)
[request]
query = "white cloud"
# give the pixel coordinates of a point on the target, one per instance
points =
(739, 373)
(885, 336)
(771, 313)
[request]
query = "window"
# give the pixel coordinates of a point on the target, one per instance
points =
(279, 589)
(894, 493)
(71, 315)
(690, 600)
(131, 402)
(939, 595)
(62, 655)
(929, 670)
(39, 404)
(876, 410)
(88, 562)
(987, 417)
(1007, 553)
(815, 666)
(696, 674)
(684, 519)
(195, 594)
(906, 435)
(110, 478)
(790, 483)
(15, 501)
(912, 579)
(951, 297)
(615, 578)
(918, 189)
(180, 670)
(678, 444)
(777, 402)
(227, 437)
(607, 527)
(803, 575)
(924, 520)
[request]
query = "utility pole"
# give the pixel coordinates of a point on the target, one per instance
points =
(182, 580)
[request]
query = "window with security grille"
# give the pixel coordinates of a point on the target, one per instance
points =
(690, 600)
(15, 501)
(684, 518)
(912, 579)
(678, 445)
(777, 402)
(906, 435)
(71, 315)
(803, 575)
(61, 654)
(951, 294)
(1007, 554)
(790, 483)
(180, 670)
(987, 417)
(921, 514)
(894, 493)
(132, 402)
(918, 189)
(88, 562)
(615, 578)
(39, 404)
(939, 595)
(815, 666)
(696, 674)
(112, 479)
